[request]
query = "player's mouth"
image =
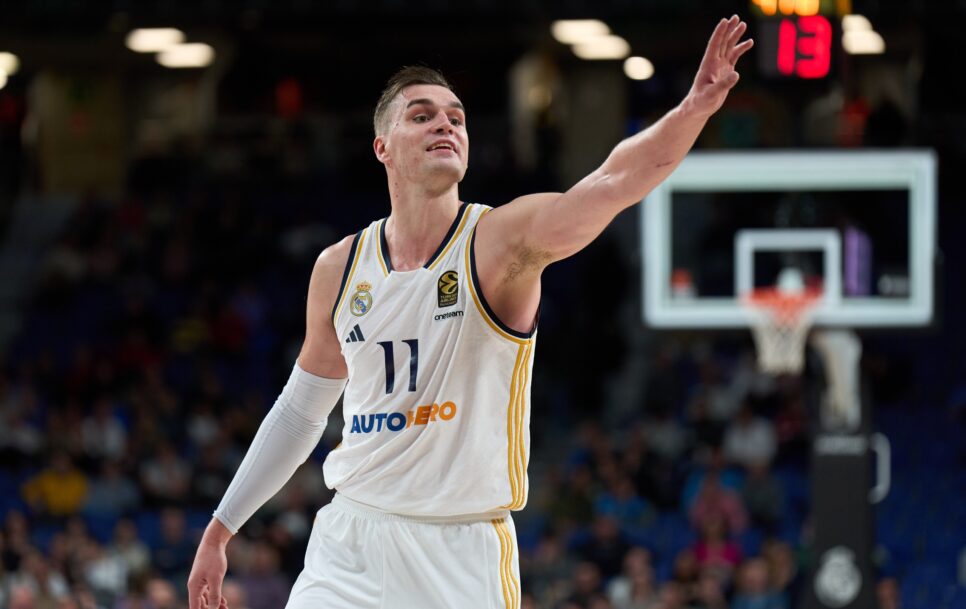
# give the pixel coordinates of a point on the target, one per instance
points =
(444, 145)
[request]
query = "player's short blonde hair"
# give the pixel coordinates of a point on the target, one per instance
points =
(405, 77)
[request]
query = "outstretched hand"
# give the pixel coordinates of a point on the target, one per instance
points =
(716, 75)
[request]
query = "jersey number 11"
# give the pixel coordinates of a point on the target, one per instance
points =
(391, 363)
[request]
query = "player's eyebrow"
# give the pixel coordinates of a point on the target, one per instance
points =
(423, 101)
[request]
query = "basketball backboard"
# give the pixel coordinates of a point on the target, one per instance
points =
(862, 225)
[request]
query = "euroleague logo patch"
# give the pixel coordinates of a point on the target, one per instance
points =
(361, 300)
(447, 289)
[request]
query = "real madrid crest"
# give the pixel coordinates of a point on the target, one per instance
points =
(838, 580)
(361, 300)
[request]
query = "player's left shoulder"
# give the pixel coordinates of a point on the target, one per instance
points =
(511, 220)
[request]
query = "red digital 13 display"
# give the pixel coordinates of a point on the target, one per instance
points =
(797, 47)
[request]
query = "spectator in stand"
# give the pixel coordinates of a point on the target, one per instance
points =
(104, 436)
(234, 594)
(129, 548)
(22, 596)
(20, 441)
(105, 572)
(665, 436)
(671, 596)
(162, 595)
(749, 439)
(112, 494)
(35, 573)
(715, 550)
(173, 555)
(763, 496)
(574, 505)
(58, 491)
(715, 503)
(887, 594)
(210, 475)
(166, 478)
(715, 466)
(203, 427)
(587, 584)
(708, 432)
(621, 502)
(783, 572)
(16, 535)
(606, 547)
(685, 572)
(548, 569)
(708, 593)
(265, 586)
(753, 591)
(634, 587)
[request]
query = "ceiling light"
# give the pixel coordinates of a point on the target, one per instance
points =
(3, 79)
(638, 68)
(854, 23)
(576, 31)
(153, 40)
(603, 47)
(188, 55)
(863, 42)
(9, 63)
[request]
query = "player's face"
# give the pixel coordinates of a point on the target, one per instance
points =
(427, 138)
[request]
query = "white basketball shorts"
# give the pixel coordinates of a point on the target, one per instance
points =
(362, 558)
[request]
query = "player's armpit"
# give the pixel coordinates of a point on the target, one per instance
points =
(321, 352)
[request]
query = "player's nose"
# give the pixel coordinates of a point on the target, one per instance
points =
(442, 124)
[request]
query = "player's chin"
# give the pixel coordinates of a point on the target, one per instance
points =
(449, 170)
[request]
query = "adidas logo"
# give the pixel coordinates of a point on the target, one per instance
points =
(356, 335)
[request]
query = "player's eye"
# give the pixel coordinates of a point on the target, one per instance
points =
(455, 121)
(420, 118)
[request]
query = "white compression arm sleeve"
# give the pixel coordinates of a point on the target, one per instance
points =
(285, 439)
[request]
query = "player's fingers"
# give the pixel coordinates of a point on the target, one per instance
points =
(723, 45)
(740, 50)
(195, 591)
(714, 43)
(734, 34)
(215, 598)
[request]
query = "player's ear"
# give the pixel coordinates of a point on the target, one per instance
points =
(382, 153)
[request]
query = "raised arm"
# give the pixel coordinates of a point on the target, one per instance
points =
(518, 240)
(287, 435)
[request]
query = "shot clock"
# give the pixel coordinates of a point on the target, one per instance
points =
(795, 37)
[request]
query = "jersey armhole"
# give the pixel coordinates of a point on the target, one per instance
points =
(476, 292)
(350, 267)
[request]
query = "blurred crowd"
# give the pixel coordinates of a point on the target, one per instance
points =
(159, 333)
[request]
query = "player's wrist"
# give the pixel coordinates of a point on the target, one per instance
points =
(216, 534)
(695, 107)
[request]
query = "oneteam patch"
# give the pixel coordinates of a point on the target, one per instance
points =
(447, 289)
(397, 421)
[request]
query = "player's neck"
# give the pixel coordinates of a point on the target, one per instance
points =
(418, 223)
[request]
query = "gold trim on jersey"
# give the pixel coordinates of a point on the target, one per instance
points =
(380, 231)
(516, 450)
(508, 580)
(357, 254)
(476, 298)
(452, 240)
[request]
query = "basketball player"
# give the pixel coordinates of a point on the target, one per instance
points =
(431, 313)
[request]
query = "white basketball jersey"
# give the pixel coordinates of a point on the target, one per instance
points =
(437, 409)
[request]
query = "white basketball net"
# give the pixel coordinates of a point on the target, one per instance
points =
(780, 323)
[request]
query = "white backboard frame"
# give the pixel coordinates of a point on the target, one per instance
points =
(914, 170)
